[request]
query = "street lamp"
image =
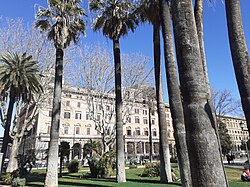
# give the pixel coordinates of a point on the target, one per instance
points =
(242, 125)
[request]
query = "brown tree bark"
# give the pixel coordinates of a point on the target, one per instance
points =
(203, 145)
(164, 146)
(52, 163)
(174, 96)
(239, 53)
(120, 159)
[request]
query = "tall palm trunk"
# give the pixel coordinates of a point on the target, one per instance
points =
(198, 13)
(6, 137)
(239, 53)
(150, 135)
(16, 142)
(203, 147)
(52, 167)
(164, 146)
(174, 96)
(120, 166)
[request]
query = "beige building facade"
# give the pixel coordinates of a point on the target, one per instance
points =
(84, 118)
(81, 117)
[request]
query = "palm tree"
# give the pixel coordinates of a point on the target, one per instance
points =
(62, 21)
(203, 145)
(239, 54)
(174, 95)
(115, 19)
(149, 11)
(19, 80)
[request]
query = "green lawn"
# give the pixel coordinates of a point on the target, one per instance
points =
(133, 179)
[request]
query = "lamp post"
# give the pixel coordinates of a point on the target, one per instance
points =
(245, 142)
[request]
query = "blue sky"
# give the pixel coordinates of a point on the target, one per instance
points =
(218, 55)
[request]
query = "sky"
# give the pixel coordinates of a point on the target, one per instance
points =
(220, 67)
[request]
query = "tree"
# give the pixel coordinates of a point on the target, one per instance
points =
(115, 19)
(62, 21)
(19, 80)
(225, 139)
(174, 95)
(239, 53)
(224, 103)
(93, 72)
(149, 11)
(202, 140)
(26, 39)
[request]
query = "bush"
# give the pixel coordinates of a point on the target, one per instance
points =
(73, 166)
(104, 166)
(18, 182)
(7, 178)
(151, 170)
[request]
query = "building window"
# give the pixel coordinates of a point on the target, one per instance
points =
(67, 115)
(145, 112)
(129, 119)
(154, 133)
(78, 116)
(129, 132)
(153, 121)
(88, 131)
(167, 115)
(87, 116)
(50, 113)
(137, 110)
(68, 95)
(137, 119)
(146, 132)
(78, 104)
(153, 113)
(77, 130)
(67, 103)
(145, 121)
(66, 130)
(138, 132)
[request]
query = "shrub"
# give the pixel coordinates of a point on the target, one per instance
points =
(73, 166)
(7, 178)
(106, 164)
(103, 166)
(18, 182)
(151, 170)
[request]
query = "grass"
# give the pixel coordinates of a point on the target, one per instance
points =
(133, 180)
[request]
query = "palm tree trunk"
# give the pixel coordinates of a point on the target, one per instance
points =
(203, 146)
(120, 162)
(174, 96)
(239, 53)
(6, 137)
(198, 13)
(164, 146)
(150, 135)
(52, 165)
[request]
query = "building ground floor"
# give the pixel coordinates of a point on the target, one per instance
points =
(137, 149)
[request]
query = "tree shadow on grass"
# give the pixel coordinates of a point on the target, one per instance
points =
(79, 184)
(152, 181)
